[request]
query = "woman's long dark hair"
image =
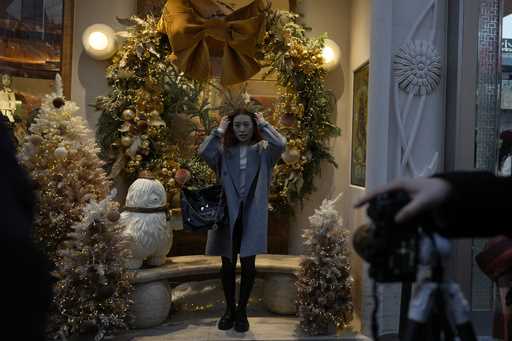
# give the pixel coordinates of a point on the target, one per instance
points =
(230, 137)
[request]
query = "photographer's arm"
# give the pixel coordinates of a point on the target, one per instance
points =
(463, 204)
(477, 205)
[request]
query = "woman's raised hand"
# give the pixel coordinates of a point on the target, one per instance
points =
(224, 123)
(259, 118)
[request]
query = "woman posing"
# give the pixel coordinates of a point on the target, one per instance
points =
(242, 151)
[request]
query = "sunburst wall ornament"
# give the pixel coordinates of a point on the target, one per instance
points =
(417, 67)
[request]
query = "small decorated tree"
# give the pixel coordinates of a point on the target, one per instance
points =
(93, 292)
(62, 159)
(324, 283)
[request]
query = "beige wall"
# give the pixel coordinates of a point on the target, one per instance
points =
(347, 22)
(88, 75)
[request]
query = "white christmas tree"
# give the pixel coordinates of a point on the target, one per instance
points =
(324, 282)
(94, 292)
(62, 158)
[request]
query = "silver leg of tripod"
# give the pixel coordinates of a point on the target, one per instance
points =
(420, 309)
(455, 306)
(458, 308)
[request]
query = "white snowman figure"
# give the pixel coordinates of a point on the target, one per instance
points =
(145, 218)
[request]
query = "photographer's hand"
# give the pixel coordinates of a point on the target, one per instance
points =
(426, 194)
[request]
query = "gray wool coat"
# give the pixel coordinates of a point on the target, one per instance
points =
(261, 158)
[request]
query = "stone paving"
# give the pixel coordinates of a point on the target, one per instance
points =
(196, 311)
(262, 328)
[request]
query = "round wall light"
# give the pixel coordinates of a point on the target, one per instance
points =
(99, 41)
(331, 55)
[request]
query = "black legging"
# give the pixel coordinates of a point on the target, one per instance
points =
(228, 271)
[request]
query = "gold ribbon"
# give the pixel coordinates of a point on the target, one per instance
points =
(195, 38)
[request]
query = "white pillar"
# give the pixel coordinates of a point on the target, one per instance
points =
(405, 124)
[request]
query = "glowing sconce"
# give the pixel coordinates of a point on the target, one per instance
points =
(99, 41)
(331, 55)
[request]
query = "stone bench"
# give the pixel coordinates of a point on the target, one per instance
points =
(152, 300)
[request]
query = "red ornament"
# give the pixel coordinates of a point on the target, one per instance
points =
(182, 176)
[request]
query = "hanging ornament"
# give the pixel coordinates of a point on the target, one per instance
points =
(125, 127)
(156, 120)
(128, 114)
(60, 152)
(182, 176)
(126, 141)
(291, 156)
(113, 215)
(35, 140)
(126, 74)
(142, 124)
(58, 102)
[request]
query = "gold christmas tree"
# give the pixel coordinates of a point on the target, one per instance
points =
(94, 292)
(62, 159)
(324, 283)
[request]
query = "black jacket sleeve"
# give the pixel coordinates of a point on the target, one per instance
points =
(479, 205)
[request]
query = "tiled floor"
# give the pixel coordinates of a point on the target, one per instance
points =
(262, 328)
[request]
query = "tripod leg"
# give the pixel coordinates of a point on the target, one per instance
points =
(442, 326)
(458, 307)
(419, 312)
(415, 331)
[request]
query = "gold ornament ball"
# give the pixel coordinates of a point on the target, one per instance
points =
(171, 183)
(35, 140)
(113, 216)
(291, 156)
(145, 144)
(126, 141)
(142, 124)
(60, 152)
(144, 137)
(165, 171)
(128, 114)
(138, 157)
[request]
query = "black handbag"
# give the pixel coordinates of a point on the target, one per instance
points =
(203, 209)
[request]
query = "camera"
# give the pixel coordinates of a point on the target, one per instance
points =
(391, 249)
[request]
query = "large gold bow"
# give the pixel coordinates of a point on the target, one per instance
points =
(195, 38)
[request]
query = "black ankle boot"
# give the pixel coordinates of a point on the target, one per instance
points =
(241, 321)
(227, 320)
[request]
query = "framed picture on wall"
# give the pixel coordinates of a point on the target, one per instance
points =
(359, 126)
(36, 39)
